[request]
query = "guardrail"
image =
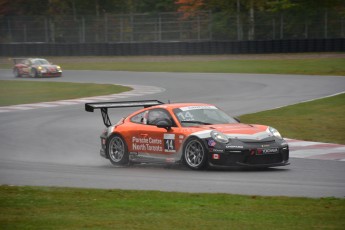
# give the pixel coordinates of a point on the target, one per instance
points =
(173, 48)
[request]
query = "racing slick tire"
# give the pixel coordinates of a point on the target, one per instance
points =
(33, 73)
(117, 150)
(16, 72)
(195, 154)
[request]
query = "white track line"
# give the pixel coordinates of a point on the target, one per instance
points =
(138, 90)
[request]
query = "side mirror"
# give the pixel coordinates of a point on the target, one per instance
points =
(164, 123)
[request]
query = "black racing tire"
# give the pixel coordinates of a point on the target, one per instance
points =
(117, 150)
(33, 73)
(195, 154)
(16, 72)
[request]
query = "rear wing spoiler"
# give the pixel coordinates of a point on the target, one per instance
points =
(104, 106)
(18, 60)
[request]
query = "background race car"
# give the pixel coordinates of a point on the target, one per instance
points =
(35, 67)
(196, 134)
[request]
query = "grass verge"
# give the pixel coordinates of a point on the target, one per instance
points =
(310, 64)
(320, 120)
(69, 208)
(23, 92)
(321, 66)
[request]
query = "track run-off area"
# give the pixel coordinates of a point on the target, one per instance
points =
(57, 143)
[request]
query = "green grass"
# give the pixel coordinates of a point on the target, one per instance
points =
(23, 92)
(295, 65)
(69, 208)
(320, 120)
(320, 66)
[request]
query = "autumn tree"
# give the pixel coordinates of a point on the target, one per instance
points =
(189, 7)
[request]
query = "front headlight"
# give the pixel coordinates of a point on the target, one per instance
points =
(58, 67)
(219, 137)
(41, 69)
(274, 132)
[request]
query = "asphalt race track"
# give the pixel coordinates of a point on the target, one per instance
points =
(59, 146)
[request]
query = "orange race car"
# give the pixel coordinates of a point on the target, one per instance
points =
(35, 67)
(196, 134)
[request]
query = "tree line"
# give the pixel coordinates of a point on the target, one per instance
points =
(123, 20)
(101, 7)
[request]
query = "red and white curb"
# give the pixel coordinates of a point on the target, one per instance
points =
(316, 150)
(138, 90)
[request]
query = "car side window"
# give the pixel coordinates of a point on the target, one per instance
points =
(155, 115)
(139, 118)
(150, 117)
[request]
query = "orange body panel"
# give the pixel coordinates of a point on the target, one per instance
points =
(151, 139)
(192, 133)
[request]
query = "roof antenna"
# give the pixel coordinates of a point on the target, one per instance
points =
(168, 101)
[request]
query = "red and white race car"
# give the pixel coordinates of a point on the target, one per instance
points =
(35, 67)
(196, 134)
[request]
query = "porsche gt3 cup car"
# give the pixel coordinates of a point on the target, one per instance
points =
(35, 67)
(196, 134)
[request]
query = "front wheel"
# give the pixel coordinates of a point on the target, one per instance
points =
(33, 72)
(117, 150)
(195, 154)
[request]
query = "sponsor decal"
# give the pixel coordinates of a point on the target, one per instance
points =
(267, 151)
(170, 160)
(217, 150)
(187, 130)
(215, 156)
(147, 144)
(270, 151)
(211, 143)
(234, 147)
(197, 107)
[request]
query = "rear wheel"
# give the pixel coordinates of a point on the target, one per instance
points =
(195, 154)
(16, 72)
(117, 150)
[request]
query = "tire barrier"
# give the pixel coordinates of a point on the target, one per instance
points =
(172, 48)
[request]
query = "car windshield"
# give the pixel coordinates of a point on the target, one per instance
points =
(40, 62)
(202, 115)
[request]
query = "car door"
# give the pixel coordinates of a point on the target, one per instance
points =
(148, 138)
(25, 67)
